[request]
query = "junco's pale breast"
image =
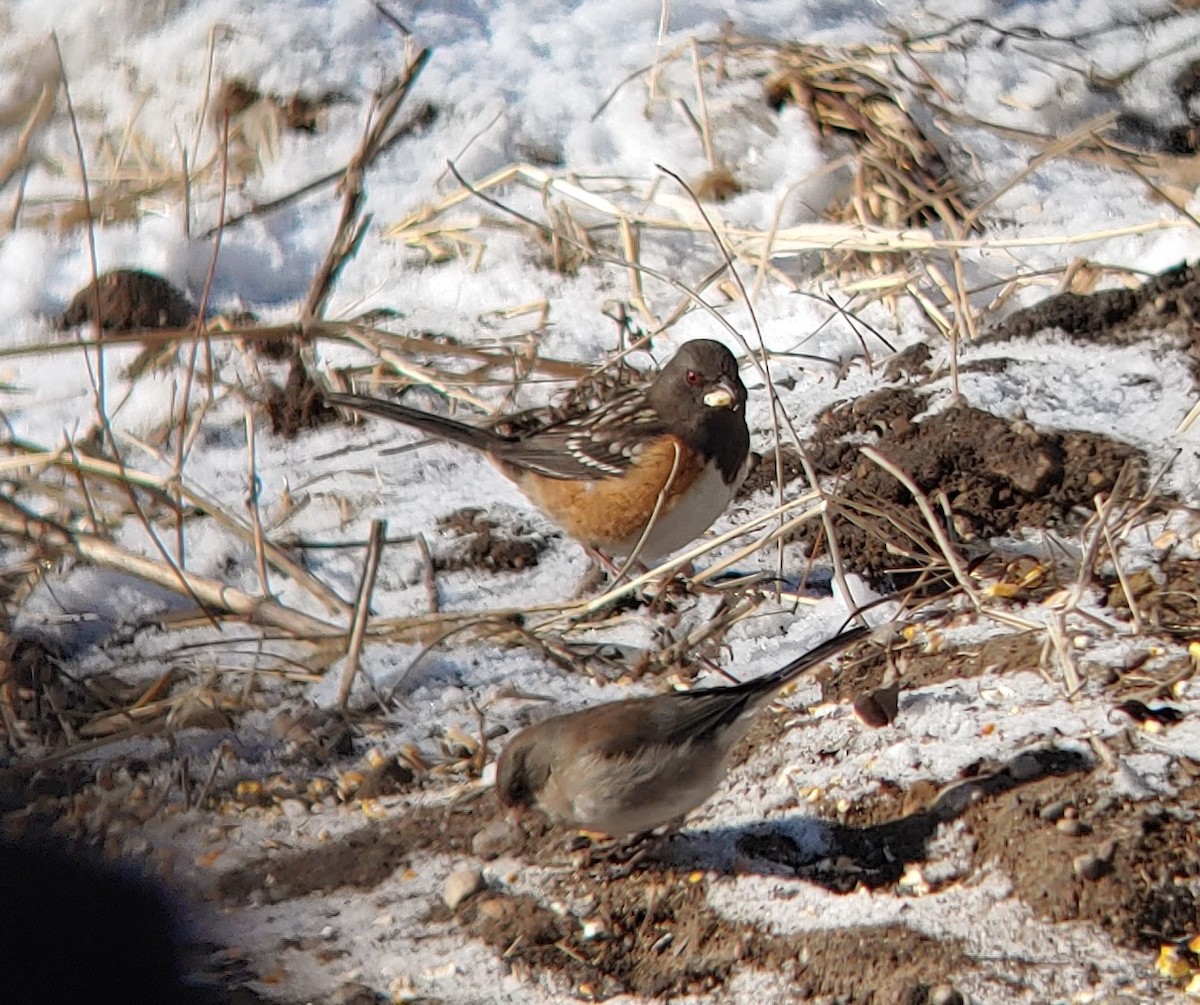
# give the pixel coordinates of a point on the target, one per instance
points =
(630, 766)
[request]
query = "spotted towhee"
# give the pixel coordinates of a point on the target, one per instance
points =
(659, 460)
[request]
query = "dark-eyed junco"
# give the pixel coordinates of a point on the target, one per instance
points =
(669, 455)
(630, 766)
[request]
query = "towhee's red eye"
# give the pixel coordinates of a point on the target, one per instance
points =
(693, 378)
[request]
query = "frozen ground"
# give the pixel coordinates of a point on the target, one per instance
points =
(324, 856)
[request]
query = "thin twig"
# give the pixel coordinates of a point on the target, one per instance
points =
(208, 594)
(953, 559)
(429, 574)
(377, 137)
(362, 610)
(253, 488)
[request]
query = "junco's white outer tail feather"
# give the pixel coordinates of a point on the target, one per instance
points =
(630, 766)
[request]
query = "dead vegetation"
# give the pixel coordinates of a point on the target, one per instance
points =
(914, 513)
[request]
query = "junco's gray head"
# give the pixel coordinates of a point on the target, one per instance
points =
(630, 766)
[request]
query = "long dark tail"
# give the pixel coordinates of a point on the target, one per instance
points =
(427, 422)
(826, 650)
(713, 708)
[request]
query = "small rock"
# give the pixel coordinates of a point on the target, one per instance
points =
(460, 885)
(945, 994)
(1089, 866)
(491, 908)
(1054, 811)
(593, 928)
(879, 707)
(1072, 827)
(294, 808)
(496, 838)
(1025, 766)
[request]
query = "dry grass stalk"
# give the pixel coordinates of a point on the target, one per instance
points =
(380, 134)
(898, 178)
(949, 552)
(97, 375)
(440, 234)
(214, 594)
(164, 489)
(32, 105)
(362, 610)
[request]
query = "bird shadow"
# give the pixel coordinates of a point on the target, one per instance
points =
(842, 857)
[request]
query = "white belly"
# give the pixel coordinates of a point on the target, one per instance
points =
(690, 518)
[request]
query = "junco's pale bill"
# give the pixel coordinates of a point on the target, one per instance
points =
(630, 766)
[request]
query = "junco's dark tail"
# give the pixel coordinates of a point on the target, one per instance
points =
(709, 712)
(826, 650)
(427, 422)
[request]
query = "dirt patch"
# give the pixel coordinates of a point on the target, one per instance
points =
(129, 299)
(1166, 305)
(297, 405)
(992, 476)
(654, 934)
(762, 475)
(366, 857)
(477, 541)
(916, 668)
(1076, 851)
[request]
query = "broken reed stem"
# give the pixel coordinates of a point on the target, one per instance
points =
(253, 487)
(1056, 631)
(953, 560)
(362, 610)
(1091, 549)
(131, 478)
(428, 575)
(702, 103)
(351, 228)
(209, 594)
(1130, 596)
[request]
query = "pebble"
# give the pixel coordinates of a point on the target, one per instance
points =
(494, 839)
(945, 994)
(137, 848)
(1024, 767)
(1089, 866)
(460, 885)
(492, 908)
(294, 808)
(1072, 826)
(1054, 811)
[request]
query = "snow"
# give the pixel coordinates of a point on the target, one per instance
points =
(510, 78)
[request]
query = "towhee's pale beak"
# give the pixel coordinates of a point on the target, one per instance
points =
(721, 396)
